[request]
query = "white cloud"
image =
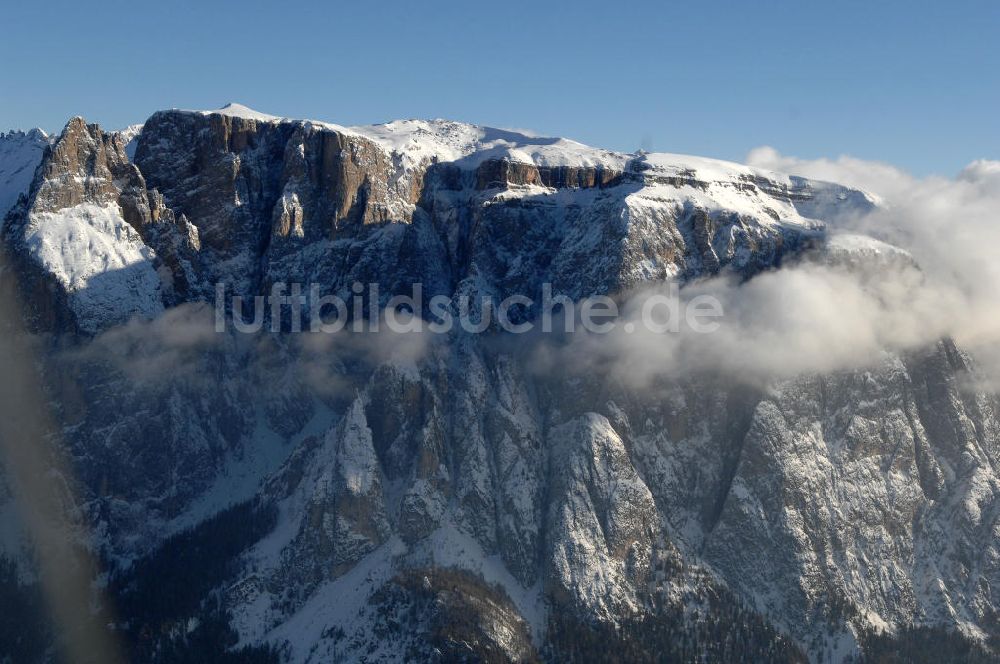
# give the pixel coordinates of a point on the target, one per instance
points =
(845, 305)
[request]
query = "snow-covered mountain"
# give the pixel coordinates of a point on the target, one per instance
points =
(373, 500)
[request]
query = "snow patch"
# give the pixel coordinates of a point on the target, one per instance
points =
(234, 110)
(450, 547)
(99, 260)
(854, 244)
(130, 135)
(429, 141)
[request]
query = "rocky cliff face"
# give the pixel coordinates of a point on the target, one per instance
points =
(91, 233)
(453, 500)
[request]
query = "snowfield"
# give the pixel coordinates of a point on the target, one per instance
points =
(101, 262)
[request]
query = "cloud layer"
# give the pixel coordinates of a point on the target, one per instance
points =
(951, 226)
(923, 266)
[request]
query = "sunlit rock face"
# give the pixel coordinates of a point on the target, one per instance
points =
(461, 492)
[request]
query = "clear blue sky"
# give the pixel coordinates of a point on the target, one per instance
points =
(912, 83)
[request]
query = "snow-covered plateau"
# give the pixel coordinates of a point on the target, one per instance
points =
(292, 498)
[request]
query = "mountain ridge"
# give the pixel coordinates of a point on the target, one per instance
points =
(809, 515)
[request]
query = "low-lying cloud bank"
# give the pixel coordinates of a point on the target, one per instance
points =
(183, 348)
(921, 267)
(951, 227)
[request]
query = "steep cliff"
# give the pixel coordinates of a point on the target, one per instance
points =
(453, 497)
